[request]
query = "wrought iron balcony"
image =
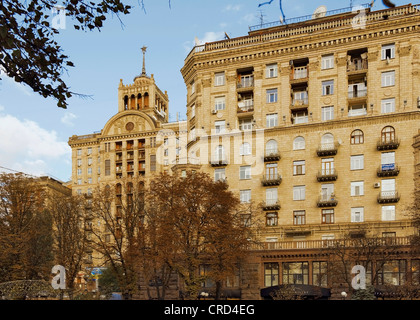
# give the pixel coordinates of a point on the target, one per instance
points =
(327, 149)
(271, 205)
(271, 180)
(388, 144)
(327, 201)
(327, 175)
(388, 197)
(219, 162)
(271, 156)
(388, 170)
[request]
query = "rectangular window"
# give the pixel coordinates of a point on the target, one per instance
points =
(295, 273)
(245, 124)
(388, 78)
(79, 172)
(271, 220)
(271, 274)
(152, 162)
(79, 152)
(219, 174)
(327, 216)
(357, 162)
(271, 171)
(327, 113)
(220, 126)
(319, 273)
(327, 61)
(245, 172)
(193, 111)
(327, 87)
(107, 167)
(388, 105)
(245, 196)
(388, 213)
(388, 51)
(299, 193)
(271, 95)
(89, 151)
(192, 85)
(89, 170)
(357, 188)
(271, 196)
(219, 103)
(327, 166)
(299, 217)
(271, 120)
(219, 79)
(271, 70)
(357, 214)
(298, 167)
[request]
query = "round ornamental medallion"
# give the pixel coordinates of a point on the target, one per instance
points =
(129, 126)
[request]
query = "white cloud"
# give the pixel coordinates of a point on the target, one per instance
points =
(68, 118)
(26, 147)
(248, 18)
(232, 7)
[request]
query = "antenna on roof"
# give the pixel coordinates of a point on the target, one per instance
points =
(226, 36)
(261, 17)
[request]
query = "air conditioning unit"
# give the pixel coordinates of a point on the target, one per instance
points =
(213, 111)
(377, 185)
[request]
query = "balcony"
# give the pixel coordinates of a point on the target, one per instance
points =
(327, 149)
(357, 94)
(355, 111)
(327, 201)
(299, 74)
(271, 205)
(246, 83)
(357, 65)
(388, 144)
(388, 170)
(245, 110)
(327, 175)
(271, 155)
(273, 179)
(388, 197)
(218, 162)
(299, 103)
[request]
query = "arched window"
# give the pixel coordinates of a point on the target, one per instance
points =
(357, 137)
(388, 134)
(299, 143)
(271, 147)
(245, 149)
(327, 138)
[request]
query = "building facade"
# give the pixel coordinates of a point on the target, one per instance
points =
(316, 122)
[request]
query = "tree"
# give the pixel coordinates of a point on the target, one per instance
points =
(67, 212)
(25, 229)
(203, 224)
(28, 51)
(117, 212)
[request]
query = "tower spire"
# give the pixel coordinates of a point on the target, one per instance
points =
(143, 71)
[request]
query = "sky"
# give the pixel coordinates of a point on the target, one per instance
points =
(34, 132)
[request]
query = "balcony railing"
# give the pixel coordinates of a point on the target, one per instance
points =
(357, 112)
(245, 82)
(218, 161)
(299, 73)
(388, 144)
(357, 94)
(273, 179)
(300, 102)
(388, 197)
(388, 170)
(327, 149)
(247, 110)
(271, 205)
(357, 65)
(273, 155)
(327, 201)
(327, 175)
(333, 243)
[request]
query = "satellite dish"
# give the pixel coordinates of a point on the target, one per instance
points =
(319, 12)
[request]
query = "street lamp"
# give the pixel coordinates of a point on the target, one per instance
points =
(343, 295)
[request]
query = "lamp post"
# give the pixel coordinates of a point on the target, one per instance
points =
(343, 295)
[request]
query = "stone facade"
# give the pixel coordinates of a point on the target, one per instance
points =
(315, 122)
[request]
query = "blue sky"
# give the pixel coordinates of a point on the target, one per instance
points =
(34, 131)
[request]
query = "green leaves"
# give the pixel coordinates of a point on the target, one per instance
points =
(28, 51)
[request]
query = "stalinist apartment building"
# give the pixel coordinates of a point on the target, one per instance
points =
(316, 122)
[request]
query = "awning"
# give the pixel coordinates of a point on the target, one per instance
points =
(303, 291)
